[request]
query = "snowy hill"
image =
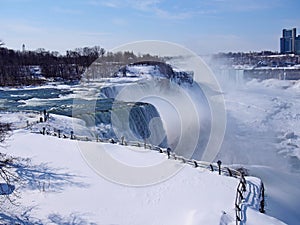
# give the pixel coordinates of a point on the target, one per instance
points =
(157, 70)
(57, 190)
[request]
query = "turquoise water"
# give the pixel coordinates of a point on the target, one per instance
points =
(15, 99)
(93, 111)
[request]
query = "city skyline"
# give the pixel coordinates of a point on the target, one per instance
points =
(205, 27)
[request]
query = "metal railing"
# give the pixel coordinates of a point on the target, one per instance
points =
(239, 197)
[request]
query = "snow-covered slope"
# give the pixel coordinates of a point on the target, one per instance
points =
(59, 187)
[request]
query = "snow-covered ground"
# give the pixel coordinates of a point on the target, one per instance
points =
(59, 187)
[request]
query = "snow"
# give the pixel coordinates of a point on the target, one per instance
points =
(251, 67)
(104, 202)
(56, 85)
(19, 119)
(143, 70)
(259, 218)
(262, 135)
(54, 123)
(282, 192)
(59, 190)
(270, 107)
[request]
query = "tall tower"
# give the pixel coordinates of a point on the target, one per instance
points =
(287, 41)
(297, 45)
(23, 48)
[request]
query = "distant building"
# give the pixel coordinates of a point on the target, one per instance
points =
(289, 43)
(297, 45)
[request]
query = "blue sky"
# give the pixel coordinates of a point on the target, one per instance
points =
(204, 26)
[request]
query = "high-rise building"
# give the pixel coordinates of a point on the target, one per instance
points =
(297, 45)
(287, 41)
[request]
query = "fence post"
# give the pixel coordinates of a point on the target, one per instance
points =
(196, 164)
(262, 202)
(168, 152)
(219, 165)
(229, 171)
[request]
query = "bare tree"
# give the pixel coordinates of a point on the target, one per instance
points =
(7, 174)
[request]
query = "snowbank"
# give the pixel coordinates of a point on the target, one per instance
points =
(60, 187)
(193, 195)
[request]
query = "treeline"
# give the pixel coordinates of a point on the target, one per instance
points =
(18, 68)
(35, 67)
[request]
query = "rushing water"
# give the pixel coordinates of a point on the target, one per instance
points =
(96, 111)
(33, 99)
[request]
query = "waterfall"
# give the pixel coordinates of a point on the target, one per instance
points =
(133, 121)
(229, 78)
